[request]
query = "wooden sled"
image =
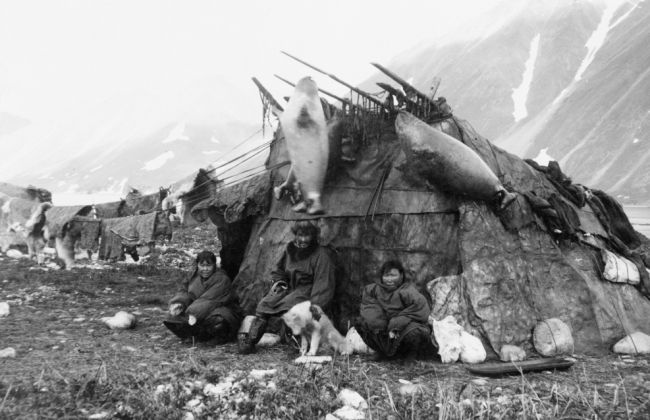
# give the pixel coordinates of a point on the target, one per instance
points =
(515, 368)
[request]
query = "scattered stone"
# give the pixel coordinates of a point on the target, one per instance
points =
(80, 319)
(260, 374)
(99, 416)
(307, 360)
(635, 343)
(553, 337)
(120, 321)
(352, 399)
(129, 348)
(8, 352)
(347, 413)
(162, 389)
(4, 309)
(14, 253)
(510, 353)
(479, 382)
(409, 388)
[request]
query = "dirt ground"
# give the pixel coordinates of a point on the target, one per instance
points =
(68, 364)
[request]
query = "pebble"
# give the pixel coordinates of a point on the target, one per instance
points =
(8, 352)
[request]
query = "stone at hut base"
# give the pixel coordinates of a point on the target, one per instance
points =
(510, 353)
(635, 343)
(552, 337)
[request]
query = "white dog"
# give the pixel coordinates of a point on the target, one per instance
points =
(313, 326)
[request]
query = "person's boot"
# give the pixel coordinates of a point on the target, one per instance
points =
(246, 340)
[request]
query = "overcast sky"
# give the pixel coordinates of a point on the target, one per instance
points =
(60, 56)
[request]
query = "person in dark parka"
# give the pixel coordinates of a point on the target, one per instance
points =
(205, 307)
(306, 271)
(394, 316)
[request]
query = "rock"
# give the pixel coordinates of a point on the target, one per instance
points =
(479, 382)
(353, 399)
(269, 340)
(472, 350)
(410, 388)
(8, 352)
(348, 413)
(510, 353)
(552, 337)
(120, 321)
(635, 343)
(307, 360)
(261, 374)
(4, 309)
(14, 253)
(100, 415)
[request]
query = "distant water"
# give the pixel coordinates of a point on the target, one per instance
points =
(640, 218)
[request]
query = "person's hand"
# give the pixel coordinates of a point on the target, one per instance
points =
(393, 334)
(175, 309)
(191, 320)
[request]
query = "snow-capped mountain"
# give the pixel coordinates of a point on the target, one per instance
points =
(134, 139)
(559, 80)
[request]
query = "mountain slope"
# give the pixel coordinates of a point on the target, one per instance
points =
(566, 78)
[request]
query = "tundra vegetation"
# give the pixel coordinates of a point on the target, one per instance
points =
(70, 365)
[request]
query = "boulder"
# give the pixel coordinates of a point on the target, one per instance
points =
(552, 337)
(510, 353)
(635, 343)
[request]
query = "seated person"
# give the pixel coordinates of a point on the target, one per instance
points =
(305, 271)
(205, 306)
(394, 316)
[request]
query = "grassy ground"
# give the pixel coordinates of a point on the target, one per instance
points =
(69, 365)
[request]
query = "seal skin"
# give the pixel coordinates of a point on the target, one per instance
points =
(446, 162)
(305, 131)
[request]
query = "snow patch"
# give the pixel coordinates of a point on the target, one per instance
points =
(96, 168)
(595, 42)
(158, 162)
(597, 39)
(635, 141)
(177, 134)
(543, 158)
(520, 94)
(210, 152)
(213, 140)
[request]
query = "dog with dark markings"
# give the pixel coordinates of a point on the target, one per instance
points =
(314, 328)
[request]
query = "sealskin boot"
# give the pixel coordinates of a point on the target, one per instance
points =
(246, 341)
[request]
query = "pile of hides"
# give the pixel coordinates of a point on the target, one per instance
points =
(244, 199)
(136, 203)
(132, 229)
(87, 231)
(110, 210)
(59, 216)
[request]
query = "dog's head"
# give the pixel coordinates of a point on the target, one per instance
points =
(299, 317)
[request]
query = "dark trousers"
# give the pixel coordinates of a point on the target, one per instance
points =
(211, 328)
(413, 341)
